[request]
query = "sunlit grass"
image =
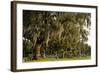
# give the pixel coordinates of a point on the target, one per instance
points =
(60, 59)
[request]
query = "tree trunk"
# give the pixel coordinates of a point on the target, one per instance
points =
(44, 55)
(63, 54)
(37, 52)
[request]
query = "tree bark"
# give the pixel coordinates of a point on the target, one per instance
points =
(44, 55)
(37, 52)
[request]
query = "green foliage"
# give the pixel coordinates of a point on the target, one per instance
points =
(60, 31)
(27, 45)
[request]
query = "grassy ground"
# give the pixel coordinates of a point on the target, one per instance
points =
(62, 59)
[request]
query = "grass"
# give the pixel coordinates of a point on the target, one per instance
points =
(60, 59)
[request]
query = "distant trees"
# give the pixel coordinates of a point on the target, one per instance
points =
(56, 34)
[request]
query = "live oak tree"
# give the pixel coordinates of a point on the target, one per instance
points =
(63, 34)
(36, 28)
